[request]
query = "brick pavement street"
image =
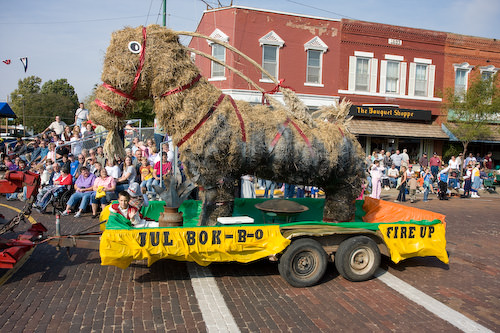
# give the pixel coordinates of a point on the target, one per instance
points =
(60, 293)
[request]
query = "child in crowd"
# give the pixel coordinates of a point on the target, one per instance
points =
(413, 184)
(146, 172)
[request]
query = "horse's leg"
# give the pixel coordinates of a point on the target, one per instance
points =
(217, 201)
(339, 203)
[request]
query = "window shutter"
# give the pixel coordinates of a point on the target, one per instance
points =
(432, 73)
(383, 76)
(402, 78)
(352, 74)
(373, 75)
(411, 79)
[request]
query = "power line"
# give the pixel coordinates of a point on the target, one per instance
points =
(73, 21)
(321, 9)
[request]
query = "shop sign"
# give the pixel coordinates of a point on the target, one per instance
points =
(389, 112)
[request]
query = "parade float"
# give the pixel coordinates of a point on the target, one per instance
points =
(218, 140)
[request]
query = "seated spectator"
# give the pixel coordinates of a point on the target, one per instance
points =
(84, 187)
(7, 162)
(45, 175)
(97, 169)
(35, 154)
(113, 169)
(146, 172)
(138, 157)
(100, 156)
(163, 171)
(104, 189)
(46, 195)
(54, 137)
(153, 153)
(66, 135)
(128, 175)
(393, 175)
(76, 143)
(61, 149)
(21, 196)
(74, 164)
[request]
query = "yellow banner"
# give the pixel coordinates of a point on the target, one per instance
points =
(201, 245)
(413, 240)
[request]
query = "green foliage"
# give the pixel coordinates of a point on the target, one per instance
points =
(36, 106)
(451, 149)
(143, 110)
(470, 112)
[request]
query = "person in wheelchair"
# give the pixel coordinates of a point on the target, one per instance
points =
(50, 192)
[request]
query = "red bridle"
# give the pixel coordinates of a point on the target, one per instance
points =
(130, 95)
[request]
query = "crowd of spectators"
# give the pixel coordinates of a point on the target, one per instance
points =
(70, 159)
(463, 177)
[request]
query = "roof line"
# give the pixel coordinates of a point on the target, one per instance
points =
(273, 11)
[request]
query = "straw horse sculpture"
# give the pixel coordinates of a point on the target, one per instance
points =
(220, 139)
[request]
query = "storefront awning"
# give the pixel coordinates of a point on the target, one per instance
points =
(396, 129)
(493, 137)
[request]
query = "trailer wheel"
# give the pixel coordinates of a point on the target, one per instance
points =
(357, 258)
(304, 263)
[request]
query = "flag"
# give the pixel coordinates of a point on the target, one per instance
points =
(25, 63)
(7, 61)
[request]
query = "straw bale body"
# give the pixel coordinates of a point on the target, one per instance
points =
(225, 145)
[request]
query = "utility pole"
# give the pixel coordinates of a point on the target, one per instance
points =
(164, 13)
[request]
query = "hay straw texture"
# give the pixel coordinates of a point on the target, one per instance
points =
(216, 155)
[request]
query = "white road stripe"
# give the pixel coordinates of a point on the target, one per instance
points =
(439, 309)
(213, 308)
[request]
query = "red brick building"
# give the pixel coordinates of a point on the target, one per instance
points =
(394, 76)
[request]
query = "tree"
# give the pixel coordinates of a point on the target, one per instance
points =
(470, 112)
(36, 106)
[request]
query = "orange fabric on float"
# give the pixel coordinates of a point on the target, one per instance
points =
(380, 211)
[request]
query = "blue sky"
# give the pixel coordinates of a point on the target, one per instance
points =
(68, 39)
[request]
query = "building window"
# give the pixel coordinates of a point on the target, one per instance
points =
(270, 43)
(218, 52)
(487, 72)
(315, 49)
(218, 71)
(421, 80)
(462, 79)
(270, 60)
(313, 66)
(362, 72)
(422, 76)
(393, 75)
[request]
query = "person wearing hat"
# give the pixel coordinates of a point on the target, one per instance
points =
(137, 198)
(423, 161)
(435, 163)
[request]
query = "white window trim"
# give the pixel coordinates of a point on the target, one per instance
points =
(315, 44)
(373, 69)
(463, 66)
(271, 38)
(430, 77)
(492, 69)
(217, 34)
(401, 90)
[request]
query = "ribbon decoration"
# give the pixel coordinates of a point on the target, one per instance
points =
(274, 91)
(6, 61)
(24, 60)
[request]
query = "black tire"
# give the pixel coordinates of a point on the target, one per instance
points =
(304, 263)
(63, 201)
(357, 258)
